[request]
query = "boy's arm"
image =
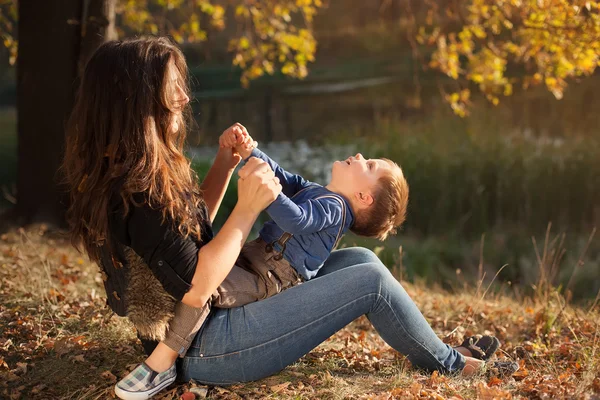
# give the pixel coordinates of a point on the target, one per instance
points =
(290, 183)
(305, 218)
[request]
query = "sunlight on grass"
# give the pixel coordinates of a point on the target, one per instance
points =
(62, 342)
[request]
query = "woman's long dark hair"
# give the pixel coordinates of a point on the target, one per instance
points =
(119, 131)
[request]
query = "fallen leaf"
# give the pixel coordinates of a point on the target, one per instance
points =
(520, 374)
(596, 385)
(485, 392)
(109, 375)
(21, 367)
(188, 396)
(79, 358)
(495, 381)
(37, 389)
(280, 387)
(201, 391)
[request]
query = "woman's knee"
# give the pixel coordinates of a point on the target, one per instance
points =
(358, 255)
(373, 274)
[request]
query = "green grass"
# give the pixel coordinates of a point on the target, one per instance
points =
(466, 180)
(450, 261)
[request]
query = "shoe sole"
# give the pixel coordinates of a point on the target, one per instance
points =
(126, 395)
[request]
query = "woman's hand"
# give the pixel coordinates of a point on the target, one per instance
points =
(258, 186)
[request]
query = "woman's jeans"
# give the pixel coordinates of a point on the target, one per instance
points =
(257, 340)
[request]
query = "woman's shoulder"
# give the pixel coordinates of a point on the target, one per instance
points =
(133, 214)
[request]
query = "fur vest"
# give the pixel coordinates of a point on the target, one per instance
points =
(145, 302)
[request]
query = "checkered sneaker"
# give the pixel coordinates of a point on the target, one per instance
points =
(143, 383)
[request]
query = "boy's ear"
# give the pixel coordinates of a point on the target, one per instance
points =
(364, 199)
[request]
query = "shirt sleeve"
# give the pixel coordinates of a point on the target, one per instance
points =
(290, 183)
(311, 216)
(171, 257)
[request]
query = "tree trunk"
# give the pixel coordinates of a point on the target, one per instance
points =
(99, 26)
(51, 44)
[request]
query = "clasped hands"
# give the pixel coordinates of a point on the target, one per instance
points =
(257, 184)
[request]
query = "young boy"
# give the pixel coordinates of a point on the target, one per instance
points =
(368, 197)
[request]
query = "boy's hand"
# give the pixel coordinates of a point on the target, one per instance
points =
(227, 158)
(245, 149)
(236, 137)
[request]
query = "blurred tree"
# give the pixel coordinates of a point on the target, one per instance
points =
(268, 35)
(496, 45)
(55, 39)
(8, 17)
(491, 45)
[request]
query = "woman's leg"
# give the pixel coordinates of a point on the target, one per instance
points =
(259, 339)
(347, 257)
(343, 258)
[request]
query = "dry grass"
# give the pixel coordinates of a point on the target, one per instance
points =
(58, 341)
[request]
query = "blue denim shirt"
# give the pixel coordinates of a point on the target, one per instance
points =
(314, 215)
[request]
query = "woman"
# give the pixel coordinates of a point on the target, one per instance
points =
(133, 194)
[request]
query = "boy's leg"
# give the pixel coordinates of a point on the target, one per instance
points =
(242, 286)
(256, 276)
(275, 274)
(184, 326)
(159, 371)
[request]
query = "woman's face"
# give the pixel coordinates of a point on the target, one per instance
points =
(178, 96)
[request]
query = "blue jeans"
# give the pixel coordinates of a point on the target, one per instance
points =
(257, 340)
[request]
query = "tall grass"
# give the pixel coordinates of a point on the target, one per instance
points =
(477, 177)
(473, 179)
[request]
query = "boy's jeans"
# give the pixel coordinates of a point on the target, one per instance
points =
(257, 340)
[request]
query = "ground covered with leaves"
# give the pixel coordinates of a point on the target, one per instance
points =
(59, 341)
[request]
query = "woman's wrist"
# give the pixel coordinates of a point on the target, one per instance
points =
(246, 210)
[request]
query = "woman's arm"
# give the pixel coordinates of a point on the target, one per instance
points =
(257, 188)
(217, 179)
(217, 257)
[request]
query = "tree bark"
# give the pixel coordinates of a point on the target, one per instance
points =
(51, 44)
(98, 27)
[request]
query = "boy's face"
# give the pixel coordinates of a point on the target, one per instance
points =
(357, 174)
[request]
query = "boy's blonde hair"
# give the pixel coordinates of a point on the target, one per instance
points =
(388, 211)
